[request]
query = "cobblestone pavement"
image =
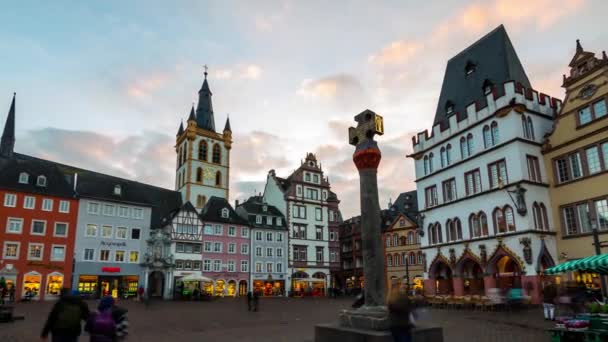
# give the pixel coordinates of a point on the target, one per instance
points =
(279, 319)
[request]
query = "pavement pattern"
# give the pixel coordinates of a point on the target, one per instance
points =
(279, 319)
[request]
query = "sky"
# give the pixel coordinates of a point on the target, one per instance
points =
(104, 84)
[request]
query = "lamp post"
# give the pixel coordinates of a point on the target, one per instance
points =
(598, 251)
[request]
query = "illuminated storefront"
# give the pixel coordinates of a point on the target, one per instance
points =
(54, 284)
(269, 288)
(31, 285)
(220, 287)
(115, 286)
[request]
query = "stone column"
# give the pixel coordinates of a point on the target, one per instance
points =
(489, 282)
(458, 285)
(367, 160)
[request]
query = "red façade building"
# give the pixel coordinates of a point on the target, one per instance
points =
(38, 213)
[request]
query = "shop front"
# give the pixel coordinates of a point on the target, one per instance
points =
(8, 274)
(304, 285)
(97, 280)
(269, 287)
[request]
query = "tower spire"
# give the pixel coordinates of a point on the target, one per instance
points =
(204, 109)
(227, 126)
(7, 142)
(579, 47)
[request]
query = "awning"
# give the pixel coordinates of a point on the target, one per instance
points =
(197, 277)
(595, 264)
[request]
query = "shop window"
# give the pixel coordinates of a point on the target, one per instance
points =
(54, 284)
(87, 284)
(31, 285)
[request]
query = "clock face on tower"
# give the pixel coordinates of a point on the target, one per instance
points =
(209, 173)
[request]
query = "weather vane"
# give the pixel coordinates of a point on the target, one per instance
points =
(206, 68)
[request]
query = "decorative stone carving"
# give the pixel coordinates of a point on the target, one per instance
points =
(483, 254)
(526, 242)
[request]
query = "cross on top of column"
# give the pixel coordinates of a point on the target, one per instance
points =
(368, 125)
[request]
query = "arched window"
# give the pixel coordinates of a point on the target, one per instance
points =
(388, 241)
(403, 258)
(410, 238)
(218, 178)
(449, 231)
(487, 137)
(389, 260)
(412, 258)
(495, 137)
(545, 219)
(417, 238)
(470, 143)
(199, 175)
(426, 165)
(179, 157)
(420, 258)
(538, 224)
(448, 154)
(199, 201)
(431, 162)
(24, 178)
(402, 241)
(500, 225)
(41, 181)
(395, 240)
(464, 148)
(457, 228)
(483, 220)
(524, 125)
(431, 234)
(474, 226)
(509, 218)
(202, 150)
(530, 128)
(217, 154)
(185, 152)
(438, 232)
(396, 259)
(444, 161)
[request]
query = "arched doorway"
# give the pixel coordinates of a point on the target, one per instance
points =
(299, 282)
(242, 288)
(232, 288)
(156, 284)
(507, 273)
(220, 288)
(441, 273)
(472, 277)
(318, 283)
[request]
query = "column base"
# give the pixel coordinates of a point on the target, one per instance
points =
(365, 318)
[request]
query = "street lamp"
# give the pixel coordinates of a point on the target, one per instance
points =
(598, 251)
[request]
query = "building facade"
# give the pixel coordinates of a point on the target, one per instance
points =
(333, 225)
(404, 259)
(203, 155)
(351, 255)
(303, 199)
(226, 241)
(576, 158)
(480, 174)
(269, 246)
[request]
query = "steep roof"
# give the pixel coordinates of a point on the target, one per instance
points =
(91, 184)
(255, 206)
(57, 184)
(491, 58)
(204, 109)
(7, 142)
(212, 212)
(227, 126)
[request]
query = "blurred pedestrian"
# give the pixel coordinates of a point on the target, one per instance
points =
(11, 294)
(63, 322)
(140, 293)
(549, 296)
(109, 324)
(401, 317)
(256, 300)
(249, 300)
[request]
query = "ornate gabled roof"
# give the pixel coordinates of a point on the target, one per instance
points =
(492, 58)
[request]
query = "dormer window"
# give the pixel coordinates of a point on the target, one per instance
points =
(117, 190)
(24, 178)
(265, 208)
(41, 181)
(469, 68)
(258, 219)
(449, 108)
(225, 213)
(487, 87)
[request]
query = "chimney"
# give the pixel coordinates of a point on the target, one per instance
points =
(236, 203)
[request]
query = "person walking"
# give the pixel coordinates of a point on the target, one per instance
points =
(109, 324)
(11, 294)
(140, 293)
(63, 322)
(401, 318)
(549, 296)
(249, 300)
(256, 300)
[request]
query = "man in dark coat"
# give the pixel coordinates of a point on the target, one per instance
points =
(400, 314)
(64, 319)
(249, 300)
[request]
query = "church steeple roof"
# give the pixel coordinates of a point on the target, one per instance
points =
(227, 126)
(204, 109)
(192, 116)
(180, 131)
(7, 142)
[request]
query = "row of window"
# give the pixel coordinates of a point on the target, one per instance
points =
(503, 220)
(14, 225)
(299, 211)
(278, 267)
(270, 236)
(270, 252)
(29, 202)
(95, 208)
(579, 218)
(218, 230)
(312, 194)
(410, 258)
(299, 232)
(199, 177)
(216, 157)
(394, 240)
(107, 255)
(110, 232)
(183, 247)
(300, 253)
(35, 251)
(218, 247)
(312, 177)
(24, 178)
(268, 220)
(497, 173)
(592, 112)
(582, 163)
(216, 265)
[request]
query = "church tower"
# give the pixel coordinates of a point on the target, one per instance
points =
(203, 155)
